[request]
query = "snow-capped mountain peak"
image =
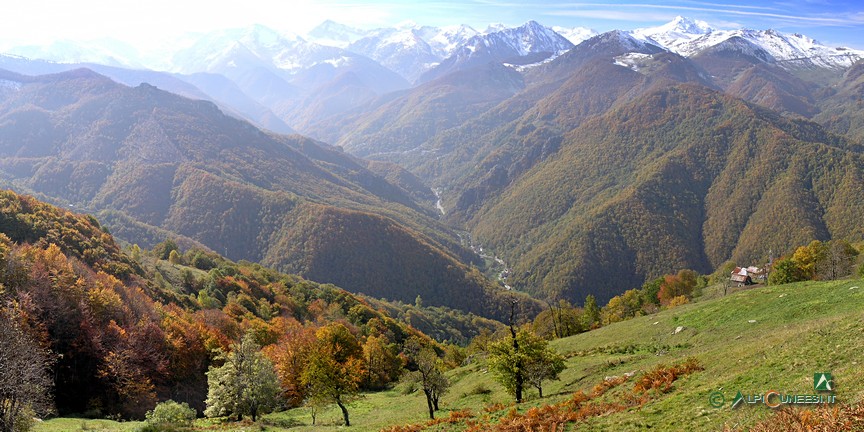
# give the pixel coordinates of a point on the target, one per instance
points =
(575, 35)
(682, 25)
(528, 38)
(674, 34)
(258, 37)
(335, 34)
(446, 39)
(493, 28)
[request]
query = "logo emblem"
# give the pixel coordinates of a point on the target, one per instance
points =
(738, 398)
(823, 381)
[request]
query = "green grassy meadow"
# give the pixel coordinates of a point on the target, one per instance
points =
(755, 340)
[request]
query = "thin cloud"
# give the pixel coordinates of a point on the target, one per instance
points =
(826, 20)
(733, 6)
(612, 15)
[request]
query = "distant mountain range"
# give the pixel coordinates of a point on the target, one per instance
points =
(287, 82)
(586, 162)
(412, 49)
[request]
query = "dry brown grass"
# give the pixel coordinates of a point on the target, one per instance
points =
(836, 418)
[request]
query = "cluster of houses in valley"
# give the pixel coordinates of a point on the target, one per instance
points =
(748, 275)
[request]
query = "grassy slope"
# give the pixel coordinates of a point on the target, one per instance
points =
(800, 329)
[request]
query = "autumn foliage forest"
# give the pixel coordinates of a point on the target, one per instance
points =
(120, 336)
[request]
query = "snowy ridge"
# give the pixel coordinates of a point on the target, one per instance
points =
(251, 47)
(622, 40)
(9, 85)
(690, 37)
(523, 68)
(410, 49)
(783, 47)
(575, 35)
(631, 60)
(106, 52)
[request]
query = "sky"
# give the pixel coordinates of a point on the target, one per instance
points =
(146, 24)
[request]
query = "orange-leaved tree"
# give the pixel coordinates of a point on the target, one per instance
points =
(334, 368)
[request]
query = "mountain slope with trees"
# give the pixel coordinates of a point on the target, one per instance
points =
(117, 332)
(170, 163)
(683, 177)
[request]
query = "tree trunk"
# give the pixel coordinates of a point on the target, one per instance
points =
(520, 379)
(554, 323)
(540, 390)
(429, 403)
(344, 411)
(254, 415)
(435, 401)
(519, 382)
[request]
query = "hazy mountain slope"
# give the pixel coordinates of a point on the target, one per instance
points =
(327, 243)
(398, 125)
(480, 167)
(334, 89)
(683, 177)
(296, 79)
(747, 71)
(775, 89)
(463, 134)
(183, 166)
(211, 87)
(843, 107)
(512, 148)
(398, 176)
(228, 94)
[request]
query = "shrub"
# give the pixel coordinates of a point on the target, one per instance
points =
(786, 271)
(175, 258)
(408, 387)
(480, 389)
(169, 415)
(678, 301)
(204, 262)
